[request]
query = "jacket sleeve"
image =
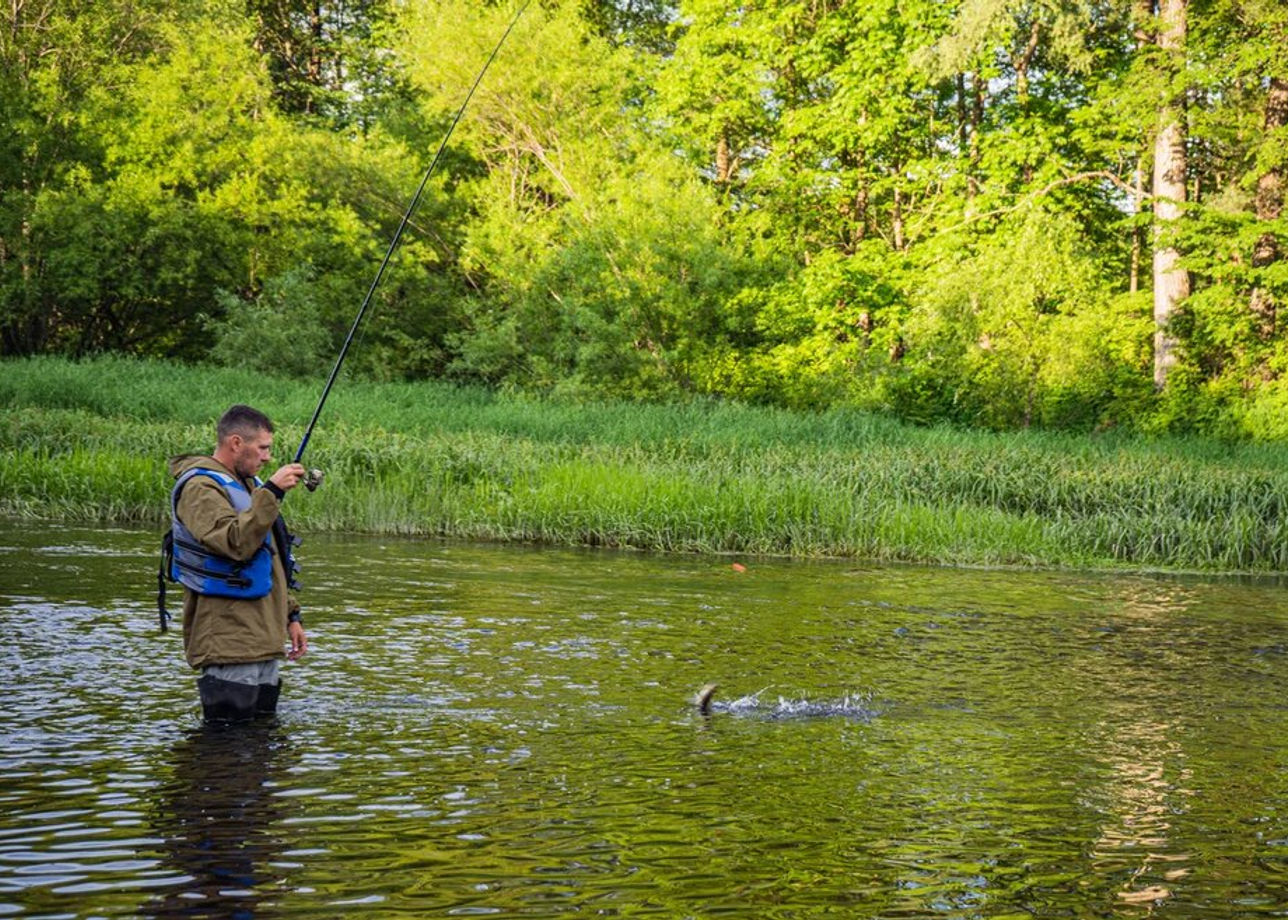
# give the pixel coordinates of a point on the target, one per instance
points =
(206, 512)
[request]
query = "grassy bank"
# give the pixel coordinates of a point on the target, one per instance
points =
(88, 442)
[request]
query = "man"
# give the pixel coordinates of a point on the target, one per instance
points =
(232, 555)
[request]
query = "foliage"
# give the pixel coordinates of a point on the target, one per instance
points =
(1024, 331)
(931, 209)
(280, 331)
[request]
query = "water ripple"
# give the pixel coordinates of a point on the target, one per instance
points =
(509, 733)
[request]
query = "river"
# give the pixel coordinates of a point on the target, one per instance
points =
(509, 732)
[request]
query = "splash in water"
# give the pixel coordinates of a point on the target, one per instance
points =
(850, 706)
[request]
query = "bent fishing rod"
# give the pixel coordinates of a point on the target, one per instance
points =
(314, 477)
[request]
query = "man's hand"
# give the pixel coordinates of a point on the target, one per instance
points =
(299, 641)
(288, 477)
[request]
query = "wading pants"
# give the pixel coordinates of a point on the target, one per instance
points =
(239, 692)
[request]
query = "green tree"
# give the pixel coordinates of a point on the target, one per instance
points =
(938, 208)
(53, 55)
(598, 264)
(1023, 330)
(172, 182)
(324, 59)
(643, 24)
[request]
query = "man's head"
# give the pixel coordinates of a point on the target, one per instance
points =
(245, 440)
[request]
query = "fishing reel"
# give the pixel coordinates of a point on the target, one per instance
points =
(312, 479)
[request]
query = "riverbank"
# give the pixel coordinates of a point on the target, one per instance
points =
(88, 442)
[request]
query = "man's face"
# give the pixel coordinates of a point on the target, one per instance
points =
(251, 452)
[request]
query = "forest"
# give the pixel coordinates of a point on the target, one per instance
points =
(1002, 214)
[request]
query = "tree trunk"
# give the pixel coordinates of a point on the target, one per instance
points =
(861, 211)
(963, 133)
(1171, 282)
(1138, 198)
(854, 208)
(897, 219)
(976, 120)
(862, 194)
(1022, 65)
(724, 160)
(315, 55)
(1270, 204)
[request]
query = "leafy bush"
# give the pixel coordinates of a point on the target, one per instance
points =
(278, 331)
(1023, 330)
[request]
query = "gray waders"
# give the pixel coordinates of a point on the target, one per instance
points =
(233, 701)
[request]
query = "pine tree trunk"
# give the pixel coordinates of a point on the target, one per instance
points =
(1171, 281)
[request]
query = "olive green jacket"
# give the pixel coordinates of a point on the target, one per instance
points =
(225, 630)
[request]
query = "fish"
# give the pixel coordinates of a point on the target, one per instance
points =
(703, 698)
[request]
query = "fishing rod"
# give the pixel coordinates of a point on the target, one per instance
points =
(314, 477)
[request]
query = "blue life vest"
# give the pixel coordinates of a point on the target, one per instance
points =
(196, 567)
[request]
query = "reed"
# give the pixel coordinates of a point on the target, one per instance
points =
(88, 441)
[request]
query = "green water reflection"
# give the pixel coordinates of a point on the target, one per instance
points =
(507, 732)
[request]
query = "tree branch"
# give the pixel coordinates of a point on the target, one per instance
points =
(1102, 174)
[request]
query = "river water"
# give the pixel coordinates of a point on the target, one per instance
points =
(509, 732)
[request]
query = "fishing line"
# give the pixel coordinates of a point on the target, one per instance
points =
(313, 480)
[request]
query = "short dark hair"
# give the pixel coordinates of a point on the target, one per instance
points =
(242, 420)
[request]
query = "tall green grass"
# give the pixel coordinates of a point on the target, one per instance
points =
(88, 441)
